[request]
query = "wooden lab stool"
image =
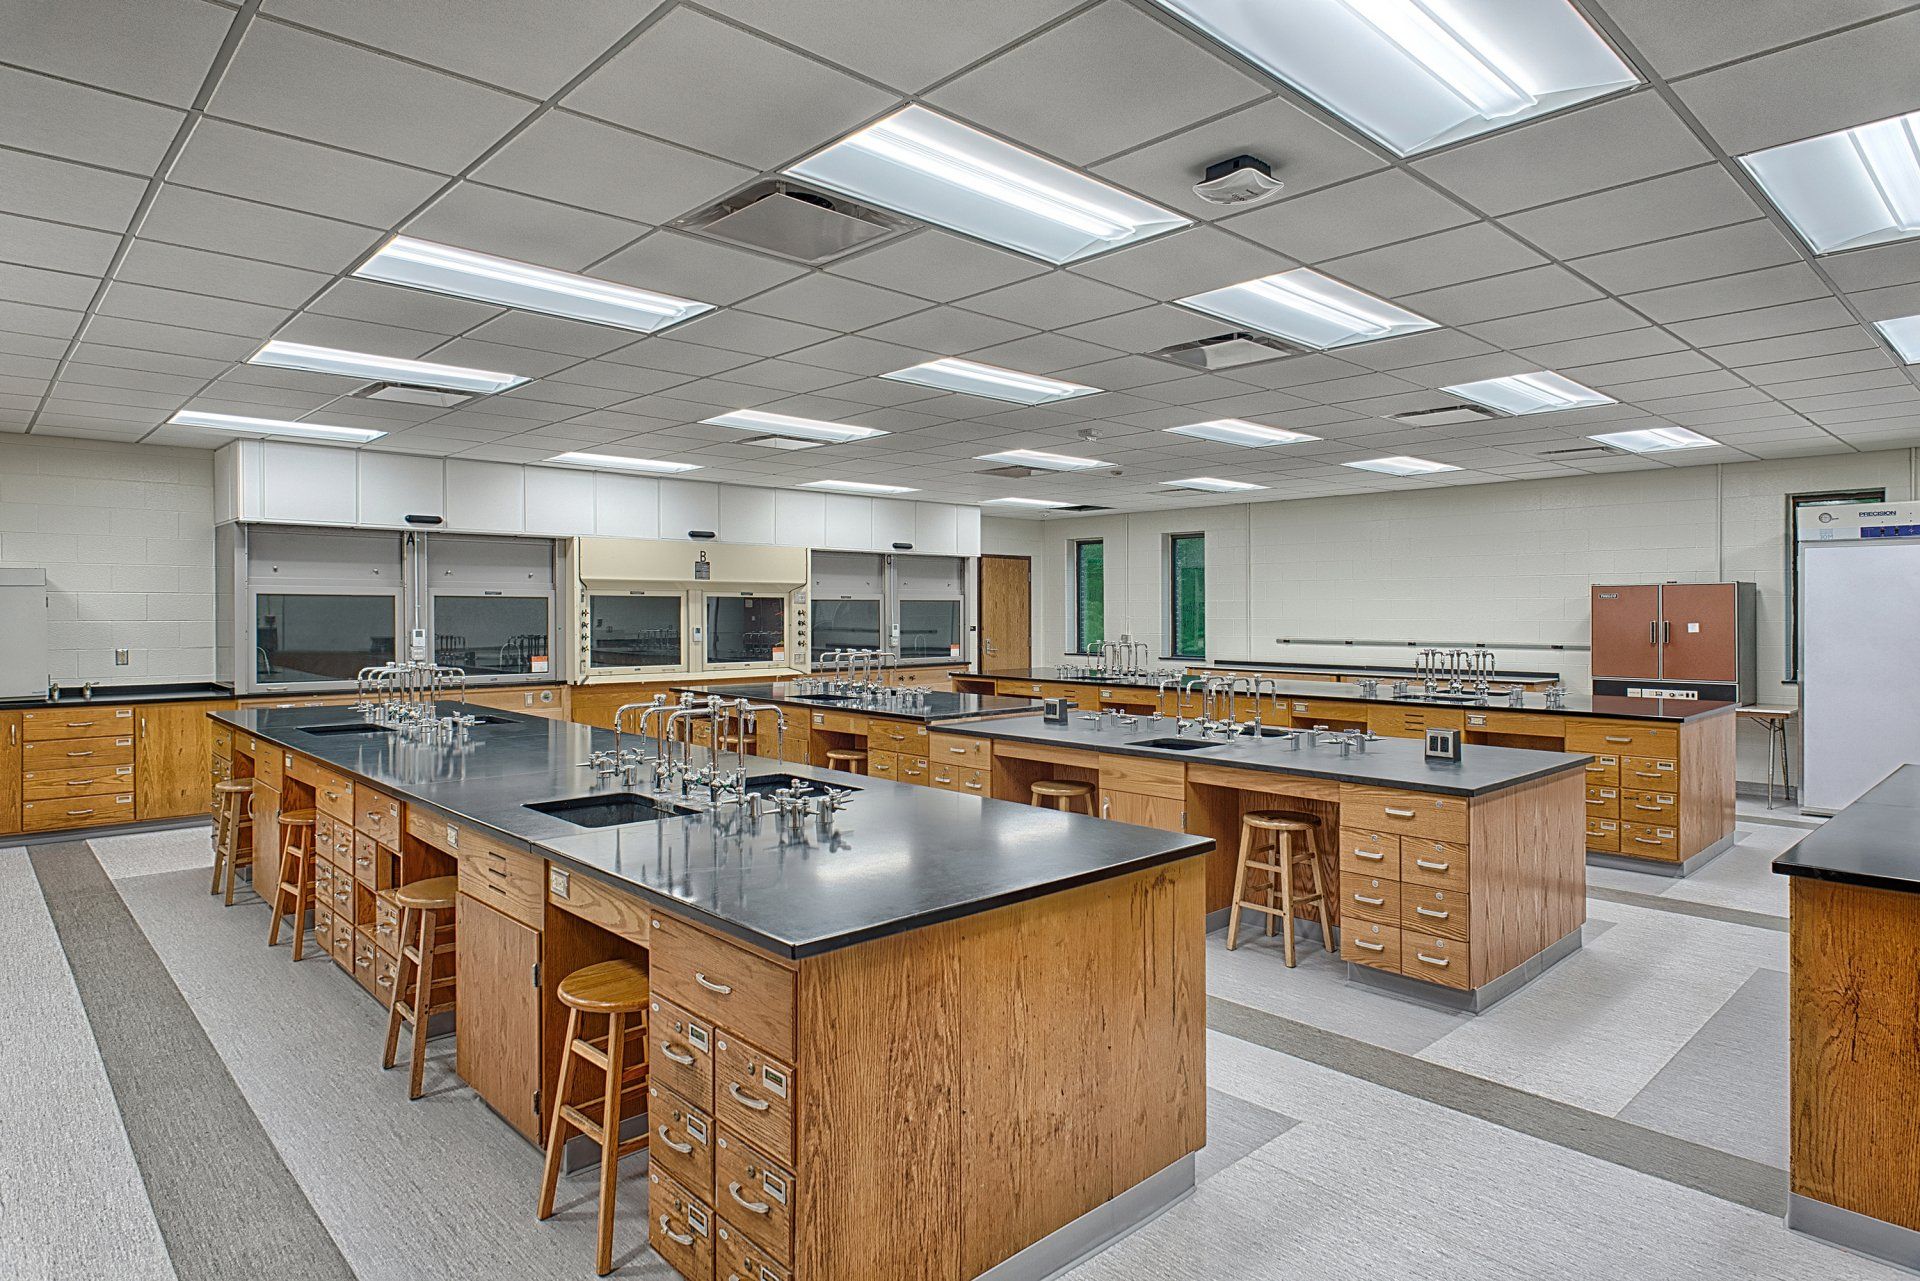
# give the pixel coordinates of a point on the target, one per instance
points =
(848, 759)
(1287, 857)
(230, 816)
(424, 907)
(1061, 793)
(295, 891)
(617, 990)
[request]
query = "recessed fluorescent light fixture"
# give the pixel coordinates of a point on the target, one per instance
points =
(1401, 465)
(1212, 485)
(1655, 440)
(1535, 393)
(1843, 190)
(858, 487)
(386, 369)
(1041, 459)
(619, 462)
(1024, 502)
(443, 269)
(1308, 308)
(1417, 74)
(1233, 431)
(274, 427)
(920, 163)
(1903, 332)
(796, 428)
(990, 381)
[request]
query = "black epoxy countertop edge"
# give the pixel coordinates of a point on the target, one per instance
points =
(901, 857)
(1604, 706)
(1873, 843)
(942, 705)
(1357, 669)
(1388, 762)
(121, 695)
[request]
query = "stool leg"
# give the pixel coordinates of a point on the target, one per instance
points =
(550, 1172)
(302, 899)
(1284, 862)
(1322, 899)
(1239, 887)
(423, 997)
(1279, 845)
(220, 836)
(399, 995)
(279, 909)
(610, 1136)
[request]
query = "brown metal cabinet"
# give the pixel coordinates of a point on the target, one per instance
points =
(1626, 632)
(9, 771)
(1699, 632)
(498, 1013)
(1687, 637)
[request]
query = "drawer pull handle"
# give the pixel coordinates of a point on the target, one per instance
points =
(1619, 738)
(88, 752)
(384, 980)
(1391, 812)
(667, 1138)
(79, 782)
(1653, 808)
(78, 724)
(973, 787)
(1373, 856)
(1370, 902)
(676, 1056)
(666, 1230)
(1371, 947)
(1442, 961)
(1594, 801)
(1430, 865)
(758, 1207)
(958, 751)
(78, 813)
(1646, 840)
(721, 988)
(744, 1099)
(1436, 915)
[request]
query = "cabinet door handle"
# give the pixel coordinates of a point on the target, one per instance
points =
(721, 988)
(673, 1055)
(1427, 911)
(1371, 947)
(681, 1148)
(666, 1230)
(744, 1099)
(1391, 812)
(758, 1207)
(1370, 902)
(1106, 807)
(1442, 961)
(1430, 865)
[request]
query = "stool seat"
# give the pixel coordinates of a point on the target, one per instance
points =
(1062, 787)
(434, 895)
(238, 787)
(611, 987)
(298, 818)
(1279, 821)
(850, 759)
(845, 754)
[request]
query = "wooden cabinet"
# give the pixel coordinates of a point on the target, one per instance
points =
(9, 772)
(498, 1013)
(173, 744)
(1162, 812)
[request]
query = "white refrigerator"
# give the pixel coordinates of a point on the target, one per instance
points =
(23, 632)
(1859, 649)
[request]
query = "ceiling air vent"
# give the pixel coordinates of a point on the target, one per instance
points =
(1226, 351)
(782, 442)
(1010, 473)
(1580, 451)
(436, 396)
(1445, 416)
(780, 218)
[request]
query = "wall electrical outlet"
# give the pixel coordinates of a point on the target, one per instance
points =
(121, 657)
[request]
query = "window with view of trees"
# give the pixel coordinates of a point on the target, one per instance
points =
(1187, 594)
(1089, 596)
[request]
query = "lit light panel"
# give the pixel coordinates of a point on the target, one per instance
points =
(795, 428)
(1903, 333)
(1045, 503)
(1402, 465)
(1849, 189)
(618, 462)
(1655, 440)
(1308, 308)
(1212, 485)
(858, 487)
(1417, 74)
(274, 427)
(990, 381)
(1541, 392)
(1041, 459)
(384, 369)
(922, 164)
(1234, 431)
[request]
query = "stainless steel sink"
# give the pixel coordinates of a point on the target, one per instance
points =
(766, 784)
(610, 810)
(1176, 744)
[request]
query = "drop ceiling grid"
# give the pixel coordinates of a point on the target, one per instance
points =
(804, 378)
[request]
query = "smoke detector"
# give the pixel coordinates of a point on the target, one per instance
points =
(1240, 180)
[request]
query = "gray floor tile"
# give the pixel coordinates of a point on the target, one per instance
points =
(1235, 1128)
(1316, 991)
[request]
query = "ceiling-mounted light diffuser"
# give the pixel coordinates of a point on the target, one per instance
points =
(857, 487)
(1541, 392)
(1308, 308)
(920, 163)
(1402, 465)
(1903, 334)
(1041, 459)
(386, 369)
(1212, 485)
(990, 381)
(1845, 190)
(444, 269)
(1233, 431)
(812, 429)
(274, 427)
(620, 462)
(1043, 503)
(1655, 440)
(1417, 74)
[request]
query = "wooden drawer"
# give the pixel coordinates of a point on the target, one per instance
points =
(1433, 958)
(322, 927)
(1661, 809)
(748, 994)
(1649, 773)
(1440, 865)
(1622, 738)
(1369, 898)
(679, 1227)
(1603, 771)
(1144, 777)
(1604, 801)
(959, 750)
(56, 724)
(369, 868)
(332, 792)
(378, 815)
(333, 840)
(70, 753)
(386, 973)
(386, 923)
(366, 962)
(323, 875)
(612, 910)
(898, 736)
(510, 882)
(882, 764)
(222, 741)
(837, 722)
(737, 1258)
(269, 762)
(682, 1141)
(1369, 854)
(954, 778)
(77, 811)
(82, 780)
(1414, 722)
(756, 1192)
(1371, 943)
(1649, 840)
(1425, 910)
(680, 1052)
(1532, 724)
(1603, 834)
(346, 899)
(1308, 712)
(913, 769)
(753, 1095)
(1391, 810)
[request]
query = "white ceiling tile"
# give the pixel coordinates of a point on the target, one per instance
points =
(317, 330)
(1054, 300)
(1723, 251)
(1888, 303)
(175, 338)
(55, 246)
(1042, 353)
(1790, 371)
(948, 331)
(787, 376)
(159, 49)
(820, 299)
(583, 162)
(605, 376)
(1073, 92)
(42, 187)
(1533, 290)
(1446, 258)
(279, 170)
(416, 309)
(1679, 38)
(1635, 214)
(1896, 264)
(745, 332)
(1768, 287)
(1849, 337)
(1376, 210)
(201, 271)
(937, 265)
(75, 122)
(669, 355)
(1147, 329)
(170, 306)
(474, 354)
(122, 357)
(1612, 373)
(1582, 320)
(226, 224)
(777, 104)
(490, 220)
(46, 288)
(1767, 322)
(41, 322)
(553, 334)
(1187, 262)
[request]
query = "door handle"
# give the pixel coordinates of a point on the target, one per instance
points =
(1666, 633)
(1653, 633)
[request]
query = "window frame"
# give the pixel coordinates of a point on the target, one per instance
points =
(1174, 611)
(1076, 609)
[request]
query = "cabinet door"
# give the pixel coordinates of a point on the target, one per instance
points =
(497, 1017)
(173, 752)
(1626, 632)
(9, 771)
(1162, 812)
(1698, 632)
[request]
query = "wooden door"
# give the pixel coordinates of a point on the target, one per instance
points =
(173, 755)
(1006, 613)
(1162, 812)
(1698, 632)
(497, 1016)
(9, 771)
(1626, 632)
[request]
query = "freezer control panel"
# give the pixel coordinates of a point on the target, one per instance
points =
(1848, 522)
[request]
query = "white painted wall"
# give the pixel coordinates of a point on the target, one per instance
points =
(1505, 564)
(125, 534)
